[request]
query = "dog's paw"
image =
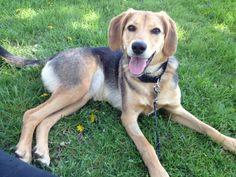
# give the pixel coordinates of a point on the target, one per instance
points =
(159, 171)
(23, 155)
(230, 144)
(41, 156)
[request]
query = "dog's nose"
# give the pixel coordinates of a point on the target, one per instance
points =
(139, 47)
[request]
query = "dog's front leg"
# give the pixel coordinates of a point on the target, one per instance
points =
(183, 117)
(129, 120)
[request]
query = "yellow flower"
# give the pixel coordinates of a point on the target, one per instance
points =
(50, 27)
(80, 128)
(44, 95)
(92, 118)
(68, 38)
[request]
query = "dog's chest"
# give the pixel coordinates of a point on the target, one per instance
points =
(140, 96)
(146, 103)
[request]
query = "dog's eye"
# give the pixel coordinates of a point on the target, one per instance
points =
(155, 31)
(131, 28)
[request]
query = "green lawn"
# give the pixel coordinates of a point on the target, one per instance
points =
(207, 54)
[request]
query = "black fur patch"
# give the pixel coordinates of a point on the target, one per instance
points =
(3, 52)
(110, 61)
(175, 80)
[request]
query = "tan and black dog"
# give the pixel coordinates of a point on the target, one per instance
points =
(142, 47)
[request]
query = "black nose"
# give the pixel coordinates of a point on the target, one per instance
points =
(139, 47)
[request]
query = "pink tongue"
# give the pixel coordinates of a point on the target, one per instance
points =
(137, 65)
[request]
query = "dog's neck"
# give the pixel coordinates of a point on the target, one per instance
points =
(154, 76)
(155, 70)
(155, 64)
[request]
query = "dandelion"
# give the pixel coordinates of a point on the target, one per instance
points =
(44, 95)
(50, 27)
(92, 118)
(68, 38)
(80, 128)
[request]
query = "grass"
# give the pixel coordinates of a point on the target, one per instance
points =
(207, 55)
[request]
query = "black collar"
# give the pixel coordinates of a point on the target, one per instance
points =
(153, 79)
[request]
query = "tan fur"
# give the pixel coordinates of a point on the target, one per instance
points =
(135, 101)
(115, 30)
(170, 34)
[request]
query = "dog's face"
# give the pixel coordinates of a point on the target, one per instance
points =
(143, 36)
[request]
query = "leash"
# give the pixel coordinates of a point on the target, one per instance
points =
(155, 79)
(156, 89)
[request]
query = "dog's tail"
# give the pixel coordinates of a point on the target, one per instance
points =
(19, 61)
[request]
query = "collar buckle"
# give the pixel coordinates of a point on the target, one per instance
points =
(157, 91)
(156, 87)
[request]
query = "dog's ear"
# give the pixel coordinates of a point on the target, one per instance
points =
(115, 30)
(170, 43)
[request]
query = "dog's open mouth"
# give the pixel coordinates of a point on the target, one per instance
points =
(137, 65)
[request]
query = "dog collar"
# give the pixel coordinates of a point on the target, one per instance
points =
(153, 79)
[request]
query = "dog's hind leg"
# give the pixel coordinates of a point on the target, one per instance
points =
(185, 118)
(41, 151)
(60, 99)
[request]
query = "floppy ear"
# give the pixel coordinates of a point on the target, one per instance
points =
(115, 30)
(170, 43)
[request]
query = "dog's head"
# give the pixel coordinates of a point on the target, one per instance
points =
(144, 36)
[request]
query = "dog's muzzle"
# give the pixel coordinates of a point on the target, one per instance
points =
(137, 65)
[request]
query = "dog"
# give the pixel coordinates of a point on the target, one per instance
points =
(140, 57)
